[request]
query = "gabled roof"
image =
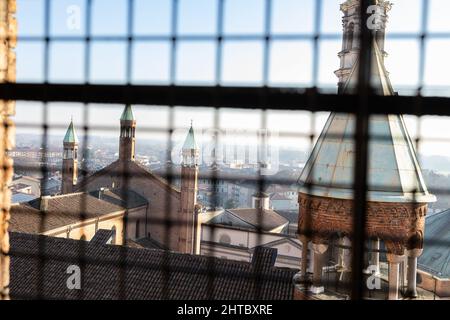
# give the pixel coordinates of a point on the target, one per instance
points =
(394, 174)
(266, 219)
(132, 168)
(63, 210)
(282, 240)
(435, 258)
(185, 277)
(127, 114)
(71, 135)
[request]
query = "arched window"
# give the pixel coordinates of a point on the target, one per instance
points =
(83, 238)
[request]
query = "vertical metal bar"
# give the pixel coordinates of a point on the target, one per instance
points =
(211, 270)
(44, 169)
(361, 154)
(168, 216)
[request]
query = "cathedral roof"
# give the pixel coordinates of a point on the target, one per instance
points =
(131, 168)
(105, 266)
(189, 142)
(63, 210)
(394, 174)
(71, 135)
(127, 114)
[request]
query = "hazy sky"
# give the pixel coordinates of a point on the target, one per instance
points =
(290, 62)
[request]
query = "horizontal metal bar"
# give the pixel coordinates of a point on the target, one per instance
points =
(309, 99)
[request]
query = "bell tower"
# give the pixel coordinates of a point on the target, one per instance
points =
(127, 142)
(397, 196)
(189, 229)
(351, 21)
(70, 160)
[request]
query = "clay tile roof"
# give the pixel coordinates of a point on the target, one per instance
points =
(268, 221)
(62, 210)
(104, 266)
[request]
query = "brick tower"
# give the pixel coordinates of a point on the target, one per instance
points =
(127, 141)
(397, 195)
(70, 160)
(189, 230)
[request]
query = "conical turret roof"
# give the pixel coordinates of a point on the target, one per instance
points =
(394, 174)
(189, 142)
(127, 114)
(71, 135)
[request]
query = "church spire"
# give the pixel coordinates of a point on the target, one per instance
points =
(70, 160)
(71, 136)
(351, 35)
(190, 150)
(127, 142)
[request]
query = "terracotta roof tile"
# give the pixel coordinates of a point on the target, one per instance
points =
(184, 277)
(62, 210)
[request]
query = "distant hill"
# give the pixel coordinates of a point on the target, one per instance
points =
(435, 163)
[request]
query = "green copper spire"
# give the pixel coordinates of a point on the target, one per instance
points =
(127, 114)
(71, 135)
(189, 143)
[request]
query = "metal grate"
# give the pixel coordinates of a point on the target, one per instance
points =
(217, 96)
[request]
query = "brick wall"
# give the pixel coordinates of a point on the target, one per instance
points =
(8, 29)
(163, 202)
(400, 225)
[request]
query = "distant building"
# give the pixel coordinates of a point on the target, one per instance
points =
(235, 233)
(283, 197)
(33, 183)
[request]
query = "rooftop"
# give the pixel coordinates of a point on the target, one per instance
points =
(62, 210)
(127, 114)
(71, 135)
(265, 218)
(125, 199)
(189, 142)
(142, 274)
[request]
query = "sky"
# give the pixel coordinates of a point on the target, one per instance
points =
(290, 61)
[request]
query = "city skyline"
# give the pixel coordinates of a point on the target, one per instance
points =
(291, 62)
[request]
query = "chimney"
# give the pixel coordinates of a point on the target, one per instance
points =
(101, 192)
(43, 204)
(260, 200)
